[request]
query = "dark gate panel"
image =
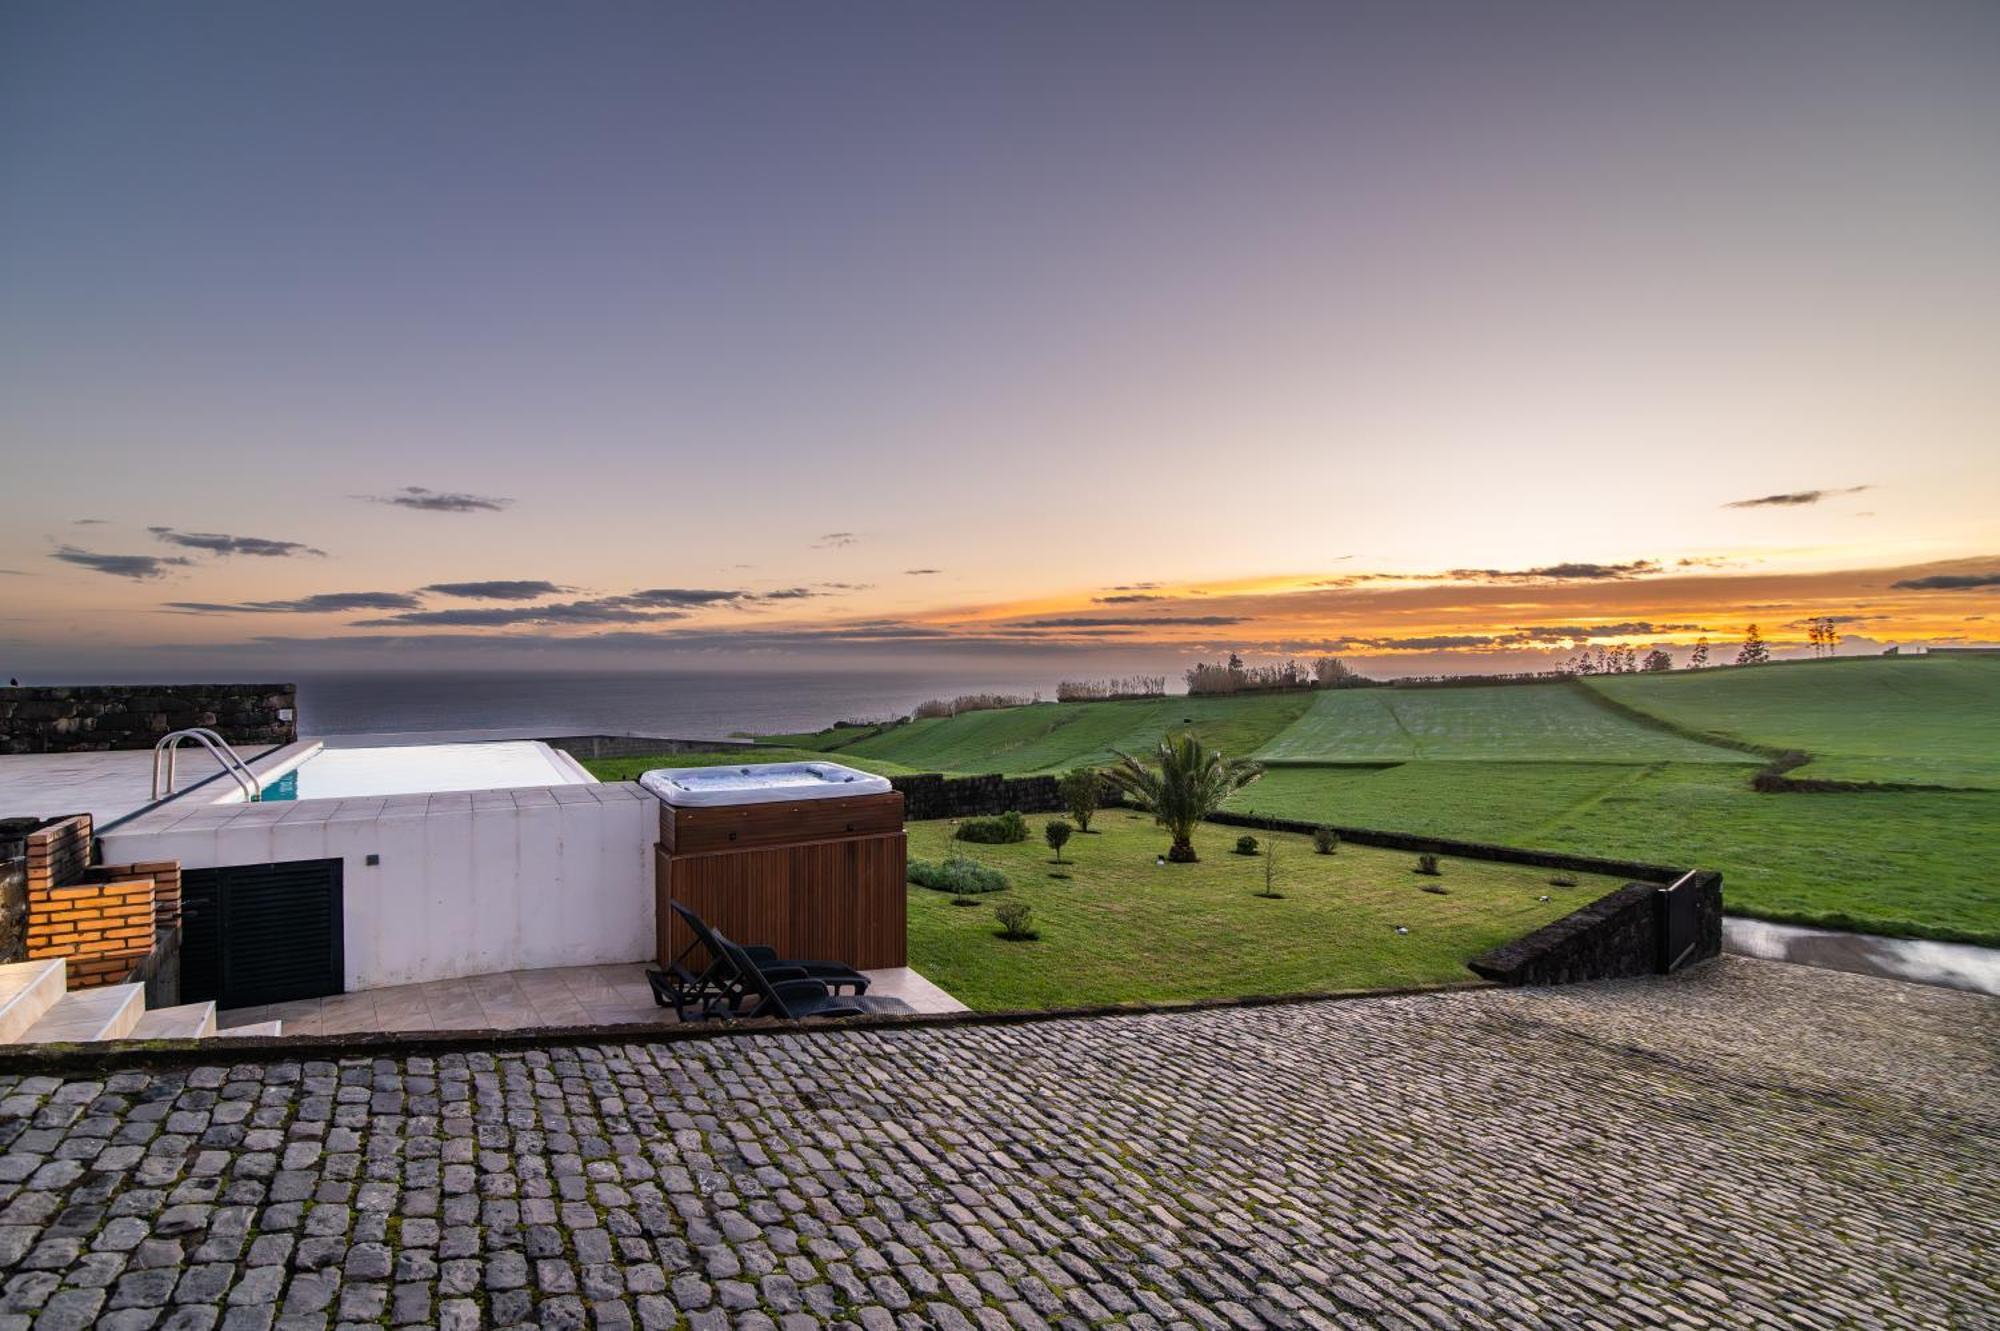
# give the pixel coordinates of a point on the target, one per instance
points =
(262, 933)
(1678, 922)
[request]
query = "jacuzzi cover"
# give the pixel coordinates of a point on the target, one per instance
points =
(759, 783)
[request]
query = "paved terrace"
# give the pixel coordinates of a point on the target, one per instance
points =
(1751, 1145)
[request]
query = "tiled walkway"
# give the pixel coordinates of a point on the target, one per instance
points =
(568, 996)
(1749, 1145)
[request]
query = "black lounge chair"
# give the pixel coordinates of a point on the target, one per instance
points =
(719, 986)
(797, 998)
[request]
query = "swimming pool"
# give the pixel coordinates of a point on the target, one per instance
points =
(417, 769)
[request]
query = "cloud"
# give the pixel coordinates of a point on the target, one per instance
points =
(921, 572)
(844, 587)
(681, 597)
(1948, 582)
(1127, 598)
(834, 540)
(439, 501)
(1136, 587)
(323, 603)
(498, 590)
(89, 522)
(604, 611)
(139, 568)
(1795, 498)
(1444, 642)
(1629, 628)
(216, 543)
(1096, 622)
(786, 594)
(1570, 572)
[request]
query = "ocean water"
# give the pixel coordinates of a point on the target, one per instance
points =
(670, 704)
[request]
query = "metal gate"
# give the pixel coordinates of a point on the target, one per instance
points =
(253, 934)
(1679, 922)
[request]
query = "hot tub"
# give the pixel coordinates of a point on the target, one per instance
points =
(759, 783)
(808, 858)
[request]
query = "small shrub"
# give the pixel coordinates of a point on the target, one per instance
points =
(1246, 845)
(1270, 890)
(1428, 864)
(1325, 840)
(1005, 829)
(1081, 790)
(1562, 880)
(957, 874)
(1057, 834)
(1017, 920)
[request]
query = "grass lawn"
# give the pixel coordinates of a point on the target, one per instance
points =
(1051, 737)
(1904, 863)
(630, 769)
(1917, 720)
(1521, 723)
(1122, 929)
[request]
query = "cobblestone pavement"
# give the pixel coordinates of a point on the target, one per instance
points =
(1750, 1145)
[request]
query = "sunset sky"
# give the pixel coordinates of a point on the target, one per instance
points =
(1444, 335)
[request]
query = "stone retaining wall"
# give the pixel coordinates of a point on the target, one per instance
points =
(1614, 937)
(83, 717)
(929, 795)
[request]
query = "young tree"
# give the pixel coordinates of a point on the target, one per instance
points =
(1057, 835)
(1081, 790)
(1698, 658)
(1186, 783)
(1657, 661)
(1753, 651)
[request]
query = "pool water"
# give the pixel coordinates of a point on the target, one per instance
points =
(418, 769)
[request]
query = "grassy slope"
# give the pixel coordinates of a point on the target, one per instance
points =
(1521, 723)
(1889, 719)
(1905, 863)
(1053, 736)
(1122, 929)
(629, 769)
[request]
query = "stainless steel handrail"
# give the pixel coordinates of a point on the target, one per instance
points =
(218, 748)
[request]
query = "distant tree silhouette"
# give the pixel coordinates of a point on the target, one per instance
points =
(1657, 661)
(1753, 651)
(1698, 658)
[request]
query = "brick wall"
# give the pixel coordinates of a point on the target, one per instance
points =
(71, 719)
(104, 919)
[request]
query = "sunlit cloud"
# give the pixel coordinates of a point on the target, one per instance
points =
(1941, 582)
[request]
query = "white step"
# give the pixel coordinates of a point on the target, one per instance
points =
(107, 1013)
(254, 1028)
(27, 990)
(189, 1021)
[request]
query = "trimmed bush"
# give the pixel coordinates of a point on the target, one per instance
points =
(1246, 845)
(1325, 840)
(959, 875)
(1017, 920)
(1428, 864)
(1004, 829)
(1057, 834)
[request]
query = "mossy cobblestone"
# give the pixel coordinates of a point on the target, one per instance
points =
(1748, 1144)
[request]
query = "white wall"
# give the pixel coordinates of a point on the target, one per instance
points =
(466, 885)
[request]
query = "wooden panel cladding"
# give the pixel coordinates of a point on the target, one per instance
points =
(741, 826)
(834, 900)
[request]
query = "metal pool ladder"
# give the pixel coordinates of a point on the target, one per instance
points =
(218, 747)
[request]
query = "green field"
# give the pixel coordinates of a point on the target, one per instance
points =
(1049, 737)
(1516, 723)
(1122, 929)
(1902, 863)
(1900, 720)
(1618, 766)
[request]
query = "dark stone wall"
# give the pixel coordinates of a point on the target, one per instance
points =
(73, 719)
(1618, 935)
(14, 887)
(932, 796)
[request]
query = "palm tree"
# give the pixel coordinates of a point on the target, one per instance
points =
(1186, 784)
